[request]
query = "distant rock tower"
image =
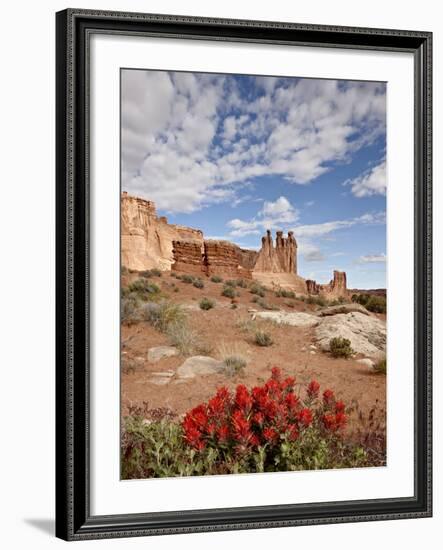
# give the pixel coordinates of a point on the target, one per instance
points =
(282, 258)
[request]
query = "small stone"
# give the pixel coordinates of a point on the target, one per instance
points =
(312, 352)
(159, 381)
(312, 347)
(199, 365)
(366, 362)
(160, 352)
(167, 373)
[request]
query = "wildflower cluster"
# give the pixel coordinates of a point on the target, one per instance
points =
(243, 421)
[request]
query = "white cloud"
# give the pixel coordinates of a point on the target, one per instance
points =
(310, 251)
(189, 140)
(372, 259)
(273, 215)
(372, 182)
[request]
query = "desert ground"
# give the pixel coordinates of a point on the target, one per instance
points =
(226, 330)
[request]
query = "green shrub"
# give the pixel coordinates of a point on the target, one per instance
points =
(129, 309)
(316, 300)
(231, 283)
(150, 273)
(186, 340)
(143, 289)
(258, 290)
(265, 305)
(162, 314)
(372, 302)
(233, 306)
(189, 279)
(241, 283)
(380, 366)
(282, 293)
(228, 292)
(340, 347)
(206, 303)
(234, 364)
(262, 338)
(216, 279)
(198, 283)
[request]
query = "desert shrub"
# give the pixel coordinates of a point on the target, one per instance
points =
(124, 270)
(150, 273)
(189, 279)
(316, 300)
(376, 304)
(162, 314)
(282, 293)
(176, 289)
(216, 279)
(206, 303)
(228, 292)
(129, 309)
(230, 282)
(241, 283)
(234, 306)
(258, 290)
(265, 305)
(143, 289)
(234, 364)
(198, 283)
(246, 325)
(255, 299)
(262, 338)
(290, 304)
(380, 366)
(182, 337)
(340, 347)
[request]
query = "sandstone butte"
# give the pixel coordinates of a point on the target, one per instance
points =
(149, 241)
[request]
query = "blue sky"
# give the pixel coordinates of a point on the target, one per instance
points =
(236, 155)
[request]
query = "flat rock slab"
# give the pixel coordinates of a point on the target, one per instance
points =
(367, 334)
(294, 319)
(366, 362)
(160, 352)
(342, 308)
(199, 365)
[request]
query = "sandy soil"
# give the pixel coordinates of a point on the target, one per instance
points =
(219, 332)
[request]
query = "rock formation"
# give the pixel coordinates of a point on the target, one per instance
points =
(149, 241)
(282, 258)
(334, 289)
(146, 239)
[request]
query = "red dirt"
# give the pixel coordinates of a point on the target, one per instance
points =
(218, 328)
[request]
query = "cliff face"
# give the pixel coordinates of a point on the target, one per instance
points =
(146, 239)
(149, 241)
(282, 258)
(214, 257)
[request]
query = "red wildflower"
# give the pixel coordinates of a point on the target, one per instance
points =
(199, 416)
(270, 435)
(276, 373)
(313, 389)
(240, 424)
(242, 398)
(305, 417)
(288, 383)
(211, 429)
(340, 420)
(329, 421)
(339, 407)
(223, 434)
(200, 445)
(192, 436)
(254, 440)
(293, 433)
(259, 418)
(328, 397)
(291, 401)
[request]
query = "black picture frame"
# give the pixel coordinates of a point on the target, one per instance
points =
(74, 28)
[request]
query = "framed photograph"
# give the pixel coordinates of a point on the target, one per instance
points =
(243, 274)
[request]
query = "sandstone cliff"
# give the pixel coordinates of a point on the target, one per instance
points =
(149, 241)
(146, 239)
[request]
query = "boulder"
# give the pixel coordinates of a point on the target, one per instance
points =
(199, 365)
(159, 352)
(291, 318)
(342, 308)
(367, 363)
(367, 334)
